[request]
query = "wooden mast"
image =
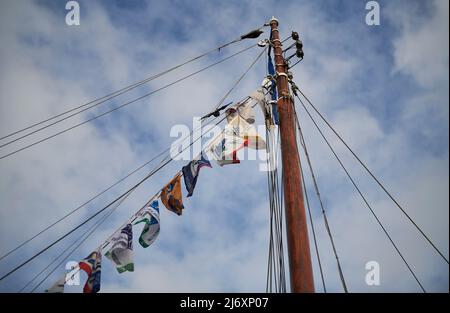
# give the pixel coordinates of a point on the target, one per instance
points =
(297, 232)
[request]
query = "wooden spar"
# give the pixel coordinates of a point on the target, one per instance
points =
(297, 232)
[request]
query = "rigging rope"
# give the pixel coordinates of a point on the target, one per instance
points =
(126, 103)
(81, 224)
(131, 190)
(119, 92)
(280, 244)
(313, 230)
(316, 188)
(240, 79)
(122, 198)
(363, 198)
(134, 171)
(82, 205)
(80, 241)
(276, 278)
(276, 273)
(374, 177)
(101, 193)
(126, 195)
(275, 265)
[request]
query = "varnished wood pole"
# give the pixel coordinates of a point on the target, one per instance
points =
(297, 232)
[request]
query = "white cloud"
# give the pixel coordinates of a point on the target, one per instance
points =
(422, 48)
(218, 244)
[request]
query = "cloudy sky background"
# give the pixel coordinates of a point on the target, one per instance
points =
(385, 88)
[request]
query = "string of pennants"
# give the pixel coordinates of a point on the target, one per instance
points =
(237, 134)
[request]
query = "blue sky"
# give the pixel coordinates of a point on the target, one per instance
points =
(385, 88)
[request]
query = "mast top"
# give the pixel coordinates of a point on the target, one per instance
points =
(273, 20)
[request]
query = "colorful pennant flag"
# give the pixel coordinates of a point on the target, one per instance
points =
(149, 216)
(225, 150)
(260, 98)
(237, 134)
(248, 132)
(172, 197)
(92, 265)
(192, 170)
(258, 95)
(121, 251)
